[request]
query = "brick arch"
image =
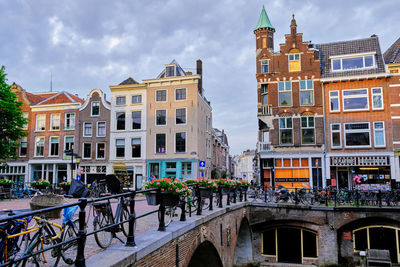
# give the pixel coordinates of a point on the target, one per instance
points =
(243, 253)
(308, 225)
(205, 254)
(361, 222)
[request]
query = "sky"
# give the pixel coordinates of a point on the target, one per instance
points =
(87, 44)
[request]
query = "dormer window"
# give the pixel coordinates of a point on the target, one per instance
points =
(354, 62)
(170, 71)
(294, 60)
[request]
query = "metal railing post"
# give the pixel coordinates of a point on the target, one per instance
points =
(234, 196)
(326, 196)
(199, 206)
(296, 196)
(190, 204)
(228, 197)
(240, 195)
(161, 226)
(183, 208)
(80, 256)
(357, 199)
(130, 241)
(211, 200)
(220, 196)
(245, 194)
(380, 198)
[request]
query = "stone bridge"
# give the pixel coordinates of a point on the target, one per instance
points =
(247, 234)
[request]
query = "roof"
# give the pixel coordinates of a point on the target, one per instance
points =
(392, 55)
(61, 98)
(179, 70)
(263, 21)
(130, 80)
(33, 99)
(46, 94)
(347, 48)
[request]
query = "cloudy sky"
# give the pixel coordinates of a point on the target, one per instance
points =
(90, 44)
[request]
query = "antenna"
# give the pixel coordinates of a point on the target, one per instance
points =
(51, 81)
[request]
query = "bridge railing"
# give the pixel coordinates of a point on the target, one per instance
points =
(129, 199)
(326, 196)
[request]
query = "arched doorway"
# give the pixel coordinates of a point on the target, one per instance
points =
(243, 250)
(205, 255)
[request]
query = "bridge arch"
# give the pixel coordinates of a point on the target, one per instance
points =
(244, 247)
(205, 255)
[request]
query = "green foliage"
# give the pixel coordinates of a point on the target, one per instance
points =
(11, 122)
(6, 182)
(224, 175)
(214, 174)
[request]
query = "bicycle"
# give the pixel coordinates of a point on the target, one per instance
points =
(104, 217)
(23, 192)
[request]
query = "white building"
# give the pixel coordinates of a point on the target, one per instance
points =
(243, 165)
(128, 130)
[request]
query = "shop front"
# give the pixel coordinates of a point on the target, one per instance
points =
(363, 172)
(181, 169)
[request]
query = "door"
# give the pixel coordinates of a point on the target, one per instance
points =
(139, 180)
(385, 239)
(343, 179)
(289, 245)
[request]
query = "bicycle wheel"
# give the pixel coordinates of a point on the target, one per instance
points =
(125, 226)
(32, 247)
(70, 250)
(103, 238)
(205, 203)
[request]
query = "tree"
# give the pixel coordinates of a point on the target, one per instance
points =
(11, 119)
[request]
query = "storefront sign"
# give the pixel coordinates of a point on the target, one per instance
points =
(360, 161)
(292, 180)
(346, 235)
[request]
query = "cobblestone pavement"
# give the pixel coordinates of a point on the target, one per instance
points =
(142, 225)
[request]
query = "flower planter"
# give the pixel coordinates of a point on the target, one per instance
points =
(152, 198)
(169, 199)
(205, 192)
(224, 190)
(40, 187)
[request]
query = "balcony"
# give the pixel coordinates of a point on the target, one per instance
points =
(265, 110)
(264, 147)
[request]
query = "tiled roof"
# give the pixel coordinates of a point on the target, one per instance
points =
(346, 48)
(61, 98)
(392, 55)
(46, 95)
(34, 99)
(130, 80)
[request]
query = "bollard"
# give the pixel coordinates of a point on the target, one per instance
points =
(130, 241)
(161, 226)
(220, 197)
(80, 256)
(199, 206)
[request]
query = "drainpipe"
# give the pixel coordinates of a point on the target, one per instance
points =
(324, 119)
(79, 137)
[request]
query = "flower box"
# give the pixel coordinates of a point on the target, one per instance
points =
(152, 198)
(169, 199)
(205, 192)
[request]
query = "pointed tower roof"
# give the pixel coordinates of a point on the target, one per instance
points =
(263, 21)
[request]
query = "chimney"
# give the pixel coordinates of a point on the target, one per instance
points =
(199, 70)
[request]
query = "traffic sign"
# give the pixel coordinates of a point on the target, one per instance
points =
(202, 164)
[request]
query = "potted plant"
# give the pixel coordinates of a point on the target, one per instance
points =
(168, 191)
(6, 183)
(244, 186)
(223, 185)
(65, 186)
(40, 184)
(206, 187)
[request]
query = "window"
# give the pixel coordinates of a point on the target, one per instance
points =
(377, 98)
(136, 99)
(55, 122)
(186, 170)
(354, 100)
(207, 123)
(136, 148)
(120, 100)
(180, 116)
(161, 95)
(101, 129)
(285, 93)
(87, 150)
(120, 148)
(69, 143)
(25, 116)
(136, 120)
(87, 129)
(334, 101)
(379, 134)
(23, 149)
(306, 92)
(180, 142)
(285, 131)
(161, 117)
(170, 71)
(307, 130)
(40, 122)
(180, 94)
(95, 108)
(100, 151)
(353, 63)
(357, 135)
(120, 120)
(54, 145)
(70, 121)
(160, 143)
(264, 94)
(39, 145)
(294, 62)
(335, 135)
(264, 66)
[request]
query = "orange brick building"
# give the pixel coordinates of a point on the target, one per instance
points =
(290, 109)
(357, 115)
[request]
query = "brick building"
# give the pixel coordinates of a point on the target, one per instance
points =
(94, 136)
(220, 153)
(357, 114)
(289, 102)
